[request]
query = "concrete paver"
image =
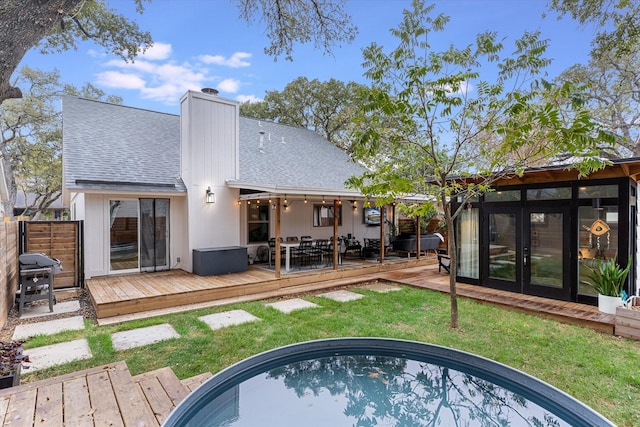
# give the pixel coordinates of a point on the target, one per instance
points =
(381, 287)
(48, 327)
(228, 318)
(142, 336)
(342, 296)
(57, 354)
(290, 305)
(42, 310)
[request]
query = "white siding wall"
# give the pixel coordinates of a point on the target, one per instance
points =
(209, 155)
(97, 227)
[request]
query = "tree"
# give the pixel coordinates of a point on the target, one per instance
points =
(449, 120)
(31, 137)
(617, 22)
(613, 96)
(58, 25)
(324, 107)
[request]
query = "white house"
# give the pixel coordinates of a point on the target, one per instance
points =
(152, 187)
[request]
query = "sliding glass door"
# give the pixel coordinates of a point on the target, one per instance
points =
(154, 234)
(123, 244)
(139, 235)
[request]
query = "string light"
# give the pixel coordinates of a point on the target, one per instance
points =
(305, 198)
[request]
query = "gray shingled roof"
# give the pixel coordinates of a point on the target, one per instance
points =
(291, 157)
(113, 147)
(109, 146)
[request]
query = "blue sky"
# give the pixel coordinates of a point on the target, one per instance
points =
(203, 43)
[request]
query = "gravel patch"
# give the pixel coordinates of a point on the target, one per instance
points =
(86, 311)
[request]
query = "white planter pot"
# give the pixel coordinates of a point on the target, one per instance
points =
(608, 304)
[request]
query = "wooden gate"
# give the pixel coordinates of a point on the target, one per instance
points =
(58, 239)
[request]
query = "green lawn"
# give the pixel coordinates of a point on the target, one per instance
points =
(601, 370)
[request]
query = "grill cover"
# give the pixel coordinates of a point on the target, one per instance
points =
(30, 261)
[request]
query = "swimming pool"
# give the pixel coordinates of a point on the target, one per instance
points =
(376, 381)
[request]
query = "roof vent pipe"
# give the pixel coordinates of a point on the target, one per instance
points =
(210, 91)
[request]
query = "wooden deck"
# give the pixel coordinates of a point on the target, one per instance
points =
(122, 298)
(117, 296)
(103, 396)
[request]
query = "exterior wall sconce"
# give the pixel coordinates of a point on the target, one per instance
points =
(210, 196)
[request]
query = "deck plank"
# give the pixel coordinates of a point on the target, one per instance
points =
(77, 406)
(21, 409)
(158, 400)
(132, 405)
(4, 406)
(49, 406)
(194, 382)
(103, 401)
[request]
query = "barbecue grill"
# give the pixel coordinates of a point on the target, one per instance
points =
(36, 279)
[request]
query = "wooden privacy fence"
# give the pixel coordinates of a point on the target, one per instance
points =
(8, 268)
(58, 239)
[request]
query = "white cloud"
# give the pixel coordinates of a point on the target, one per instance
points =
(158, 51)
(248, 98)
(156, 76)
(236, 60)
(116, 79)
(229, 85)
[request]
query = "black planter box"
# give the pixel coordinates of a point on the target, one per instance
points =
(212, 261)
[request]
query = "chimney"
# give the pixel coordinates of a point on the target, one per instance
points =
(210, 91)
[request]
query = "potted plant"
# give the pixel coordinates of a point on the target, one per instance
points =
(12, 360)
(607, 278)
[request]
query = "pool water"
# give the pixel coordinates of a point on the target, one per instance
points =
(376, 382)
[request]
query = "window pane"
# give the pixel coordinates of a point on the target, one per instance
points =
(549, 193)
(258, 222)
(502, 246)
(323, 216)
(258, 232)
(598, 191)
(124, 234)
(598, 240)
(468, 249)
(546, 248)
(502, 196)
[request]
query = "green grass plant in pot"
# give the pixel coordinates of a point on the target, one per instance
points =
(608, 278)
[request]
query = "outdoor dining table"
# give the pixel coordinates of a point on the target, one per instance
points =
(288, 246)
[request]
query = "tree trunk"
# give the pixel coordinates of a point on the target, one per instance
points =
(453, 261)
(23, 23)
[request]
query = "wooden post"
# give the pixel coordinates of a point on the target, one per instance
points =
(382, 217)
(418, 238)
(278, 255)
(336, 247)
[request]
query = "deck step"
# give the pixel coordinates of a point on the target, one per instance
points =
(101, 396)
(194, 382)
(163, 391)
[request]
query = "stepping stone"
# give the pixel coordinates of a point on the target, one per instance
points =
(48, 327)
(42, 310)
(381, 287)
(342, 296)
(57, 354)
(142, 336)
(290, 305)
(228, 318)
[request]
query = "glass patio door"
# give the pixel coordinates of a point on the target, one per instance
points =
(526, 250)
(501, 249)
(154, 234)
(545, 257)
(139, 235)
(123, 236)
